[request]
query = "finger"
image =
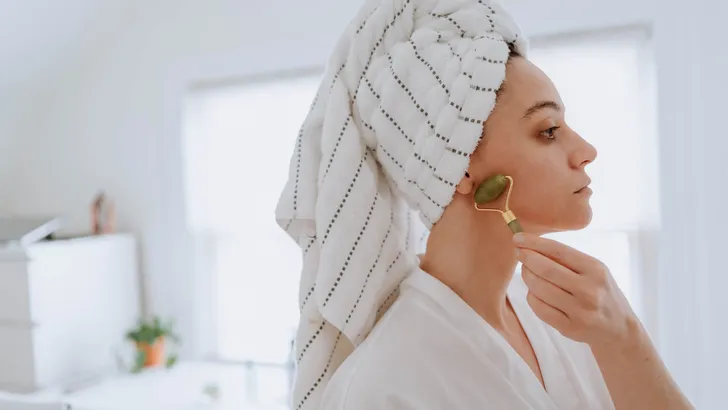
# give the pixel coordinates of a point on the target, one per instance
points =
(554, 317)
(573, 259)
(549, 270)
(549, 293)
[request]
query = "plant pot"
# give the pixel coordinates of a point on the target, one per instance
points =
(154, 354)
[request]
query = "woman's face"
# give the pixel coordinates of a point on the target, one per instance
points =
(527, 138)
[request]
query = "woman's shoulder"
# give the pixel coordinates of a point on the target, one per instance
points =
(366, 380)
(390, 367)
(371, 376)
(377, 377)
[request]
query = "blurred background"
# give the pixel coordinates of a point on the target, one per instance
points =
(143, 146)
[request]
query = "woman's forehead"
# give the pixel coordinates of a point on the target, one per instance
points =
(528, 89)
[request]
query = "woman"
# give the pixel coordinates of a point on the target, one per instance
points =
(422, 102)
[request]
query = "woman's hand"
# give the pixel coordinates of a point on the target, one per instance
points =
(574, 292)
(577, 296)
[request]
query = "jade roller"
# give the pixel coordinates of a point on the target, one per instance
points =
(492, 188)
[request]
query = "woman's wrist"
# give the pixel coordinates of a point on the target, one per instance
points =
(629, 341)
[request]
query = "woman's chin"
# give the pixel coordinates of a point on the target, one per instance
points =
(579, 220)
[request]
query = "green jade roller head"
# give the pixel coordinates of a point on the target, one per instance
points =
(490, 190)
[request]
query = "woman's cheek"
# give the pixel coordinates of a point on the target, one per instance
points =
(536, 187)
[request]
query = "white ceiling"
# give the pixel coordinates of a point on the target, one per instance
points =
(41, 38)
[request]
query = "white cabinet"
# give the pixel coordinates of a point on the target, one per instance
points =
(64, 308)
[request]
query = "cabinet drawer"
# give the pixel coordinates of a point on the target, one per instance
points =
(14, 292)
(17, 368)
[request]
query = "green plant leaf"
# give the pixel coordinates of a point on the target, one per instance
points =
(151, 329)
(171, 361)
(141, 357)
(132, 335)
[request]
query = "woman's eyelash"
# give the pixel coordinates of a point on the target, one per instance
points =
(549, 133)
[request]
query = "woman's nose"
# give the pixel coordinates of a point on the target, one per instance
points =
(583, 153)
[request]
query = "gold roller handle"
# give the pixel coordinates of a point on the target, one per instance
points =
(512, 221)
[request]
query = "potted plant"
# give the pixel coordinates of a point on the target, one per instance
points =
(150, 338)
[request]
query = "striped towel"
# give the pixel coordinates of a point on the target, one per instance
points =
(399, 112)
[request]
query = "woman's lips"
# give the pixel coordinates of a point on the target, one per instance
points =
(584, 187)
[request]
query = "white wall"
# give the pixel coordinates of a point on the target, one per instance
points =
(692, 62)
(40, 41)
(8, 134)
(116, 125)
(14, 134)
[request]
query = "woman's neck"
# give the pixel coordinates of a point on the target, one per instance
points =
(472, 253)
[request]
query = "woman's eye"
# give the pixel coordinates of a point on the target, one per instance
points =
(549, 133)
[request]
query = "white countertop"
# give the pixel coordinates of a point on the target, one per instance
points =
(180, 388)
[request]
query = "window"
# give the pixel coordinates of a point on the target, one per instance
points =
(606, 84)
(238, 146)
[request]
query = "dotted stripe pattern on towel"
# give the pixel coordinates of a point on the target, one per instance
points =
(399, 112)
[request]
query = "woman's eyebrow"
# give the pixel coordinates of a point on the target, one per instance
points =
(540, 105)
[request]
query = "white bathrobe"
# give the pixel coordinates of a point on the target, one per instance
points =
(432, 351)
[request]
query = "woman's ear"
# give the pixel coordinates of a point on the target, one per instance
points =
(466, 185)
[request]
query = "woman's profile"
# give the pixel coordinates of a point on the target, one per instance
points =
(422, 101)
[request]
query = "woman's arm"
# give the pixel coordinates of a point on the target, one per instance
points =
(576, 295)
(636, 376)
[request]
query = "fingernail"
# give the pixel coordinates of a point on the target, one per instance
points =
(518, 238)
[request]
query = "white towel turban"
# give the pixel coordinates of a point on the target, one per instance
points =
(399, 112)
